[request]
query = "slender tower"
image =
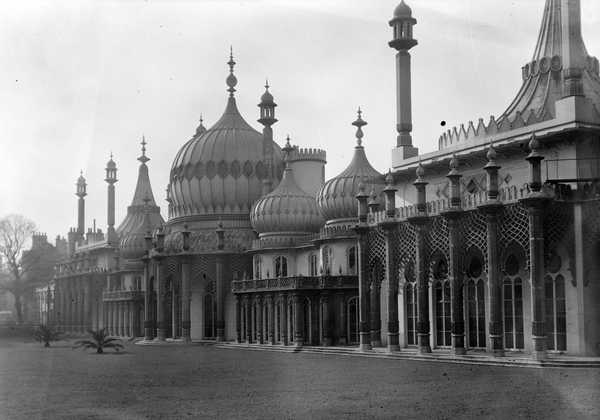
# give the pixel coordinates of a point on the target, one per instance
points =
(111, 178)
(403, 41)
(81, 193)
(267, 119)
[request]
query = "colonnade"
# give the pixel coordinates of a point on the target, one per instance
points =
(534, 202)
(121, 318)
(74, 304)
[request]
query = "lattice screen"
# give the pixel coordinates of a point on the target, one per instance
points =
(376, 245)
(558, 228)
(514, 227)
(473, 233)
(437, 238)
(404, 248)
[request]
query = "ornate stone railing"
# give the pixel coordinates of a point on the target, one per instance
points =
(123, 295)
(295, 283)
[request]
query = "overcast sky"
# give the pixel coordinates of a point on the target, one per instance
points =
(80, 79)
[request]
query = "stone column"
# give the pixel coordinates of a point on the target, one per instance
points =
(492, 208)
(238, 319)
(327, 336)
(186, 275)
(161, 316)
(115, 318)
(220, 280)
(363, 271)
(375, 310)
(260, 335)
(455, 271)
(535, 202)
(247, 319)
(271, 317)
(391, 274)
(283, 319)
(148, 321)
(87, 307)
(342, 339)
(70, 306)
(421, 224)
(298, 320)
(174, 308)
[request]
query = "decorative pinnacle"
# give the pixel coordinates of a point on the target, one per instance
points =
(201, 129)
(143, 158)
(389, 179)
(359, 124)
(287, 149)
(454, 163)
(267, 84)
(420, 172)
(534, 143)
(491, 153)
(231, 79)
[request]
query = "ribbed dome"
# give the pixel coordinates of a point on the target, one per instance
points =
(402, 10)
(286, 209)
(220, 170)
(337, 197)
(143, 215)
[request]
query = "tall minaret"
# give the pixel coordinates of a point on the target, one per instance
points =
(267, 119)
(402, 24)
(81, 193)
(111, 178)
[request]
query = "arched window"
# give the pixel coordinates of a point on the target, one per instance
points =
(442, 313)
(556, 315)
(513, 313)
(327, 260)
(313, 265)
(353, 320)
(257, 267)
(281, 266)
(351, 260)
(476, 313)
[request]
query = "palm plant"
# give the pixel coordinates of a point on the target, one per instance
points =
(45, 334)
(100, 340)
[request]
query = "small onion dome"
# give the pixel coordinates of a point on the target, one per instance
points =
(267, 98)
(81, 179)
(337, 197)
(287, 209)
(402, 10)
(111, 163)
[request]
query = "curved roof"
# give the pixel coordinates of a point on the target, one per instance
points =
(402, 10)
(143, 215)
(286, 209)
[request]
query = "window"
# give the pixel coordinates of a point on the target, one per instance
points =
(313, 263)
(411, 313)
(476, 313)
(556, 316)
(351, 254)
(257, 267)
(327, 260)
(442, 313)
(353, 320)
(281, 267)
(513, 313)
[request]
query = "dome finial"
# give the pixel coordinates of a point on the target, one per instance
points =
(143, 158)
(231, 79)
(287, 149)
(200, 129)
(359, 124)
(267, 84)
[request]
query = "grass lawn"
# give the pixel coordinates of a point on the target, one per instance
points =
(197, 381)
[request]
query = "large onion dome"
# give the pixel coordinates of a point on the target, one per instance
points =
(219, 172)
(286, 210)
(143, 215)
(337, 197)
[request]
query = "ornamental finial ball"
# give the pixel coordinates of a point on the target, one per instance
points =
(389, 178)
(534, 143)
(454, 163)
(491, 153)
(420, 171)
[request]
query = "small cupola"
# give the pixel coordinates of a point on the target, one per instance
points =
(81, 190)
(267, 107)
(111, 171)
(402, 24)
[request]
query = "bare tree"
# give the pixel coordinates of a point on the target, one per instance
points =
(22, 269)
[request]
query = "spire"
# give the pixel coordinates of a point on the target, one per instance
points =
(287, 149)
(359, 124)
(201, 129)
(231, 79)
(560, 66)
(143, 158)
